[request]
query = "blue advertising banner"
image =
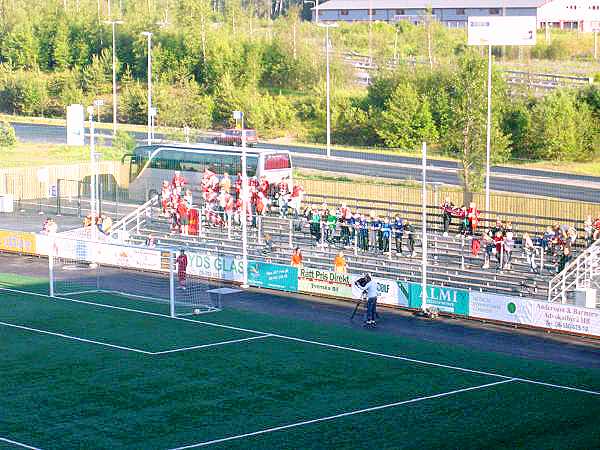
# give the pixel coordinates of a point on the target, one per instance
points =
(273, 276)
(446, 299)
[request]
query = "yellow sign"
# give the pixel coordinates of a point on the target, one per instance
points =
(17, 242)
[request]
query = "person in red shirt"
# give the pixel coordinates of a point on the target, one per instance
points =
(184, 219)
(473, 218)
(182, 262)
(178, 180)
(165, 197)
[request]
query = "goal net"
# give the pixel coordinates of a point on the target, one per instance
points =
(118, 280)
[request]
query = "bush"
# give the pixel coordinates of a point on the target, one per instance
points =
(8, 138)
(124, 142)
(24, 93)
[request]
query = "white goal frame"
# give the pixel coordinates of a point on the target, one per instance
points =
(192, 301)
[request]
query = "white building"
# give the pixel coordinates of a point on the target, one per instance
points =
(583, 15)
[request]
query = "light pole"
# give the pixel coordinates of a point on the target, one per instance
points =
(148, 34)
(488, 136)
(327, 26)
(239, 115)
(114, 70)
(90, 111)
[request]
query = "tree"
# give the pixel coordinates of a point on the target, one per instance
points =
(406, 121)
(20, 46)
(8, 138)
(466, 136)
(561, 129)
(60, 46)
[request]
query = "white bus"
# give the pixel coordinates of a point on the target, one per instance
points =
(150, 165)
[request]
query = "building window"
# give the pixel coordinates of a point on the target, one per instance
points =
(344, 12)
(372, 12)
(320, 12)
(460, 11)
(494, 11)
(400, 12)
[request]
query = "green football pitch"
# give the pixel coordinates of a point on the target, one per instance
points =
(101, 371)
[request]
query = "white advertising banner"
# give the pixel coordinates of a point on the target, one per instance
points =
(99, 252)
(75, 125)
(518, 310)
(224, 267)
(501, 30)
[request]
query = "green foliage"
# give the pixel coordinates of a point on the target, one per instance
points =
(133, 103)
(8, 138)
(124, 143)
(466, 136)
(516, 124)
(20, 46)
(406, 121)
(24, 93)
(561, 129)
(182, 105)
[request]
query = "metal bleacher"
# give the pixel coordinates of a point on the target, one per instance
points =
(451, 263)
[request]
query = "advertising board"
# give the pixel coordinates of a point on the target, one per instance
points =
(18, 242)
(324, 282)
(455, 301)
(273, 276)
(501, 30)
(518, 310)
(224, 267)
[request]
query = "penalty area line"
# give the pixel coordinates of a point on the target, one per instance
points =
(75, 338)
(214, 344)
(346, 414)
(18, 444)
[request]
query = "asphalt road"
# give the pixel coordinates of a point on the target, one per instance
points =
(507, 179)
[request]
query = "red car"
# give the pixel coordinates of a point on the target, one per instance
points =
(233, 136)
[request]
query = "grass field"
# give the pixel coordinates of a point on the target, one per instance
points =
(102, 371)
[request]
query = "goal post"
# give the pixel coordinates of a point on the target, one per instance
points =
(164, 289)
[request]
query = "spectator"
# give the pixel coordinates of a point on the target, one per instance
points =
(183, 215)
(269, 246)
(565, 257)
(150, 241)
(178, 181)
(398, 227)
(588, 229)
(377, 237)
(472, 218)
(447, 208)
(509, 245)
(225, 183)
(339, 263)
(386, 232)
(296, 258)
(529, 250)
(188, 198)
(489, 247)
(363, 233)
(464, 221)
(410, 234)
(315, 225)
(498, 239)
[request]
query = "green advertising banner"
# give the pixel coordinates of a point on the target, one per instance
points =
(273, 276)
(446, 299)
(324, 282)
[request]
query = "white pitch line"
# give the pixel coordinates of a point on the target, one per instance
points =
(18, 444)
(75, 338)
(308, 341)
(346, 414)
(215, 344)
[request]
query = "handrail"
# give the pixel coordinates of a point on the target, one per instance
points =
(133, 214)
(573, 269)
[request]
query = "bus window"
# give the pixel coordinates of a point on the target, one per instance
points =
(251, 165)
(136, 165)
(277, 161)
(167, 160)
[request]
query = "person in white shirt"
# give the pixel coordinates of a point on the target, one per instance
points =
(370, 289)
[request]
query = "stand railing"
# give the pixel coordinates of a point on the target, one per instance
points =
(577, 274)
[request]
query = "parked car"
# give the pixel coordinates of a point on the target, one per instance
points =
(233, 136)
